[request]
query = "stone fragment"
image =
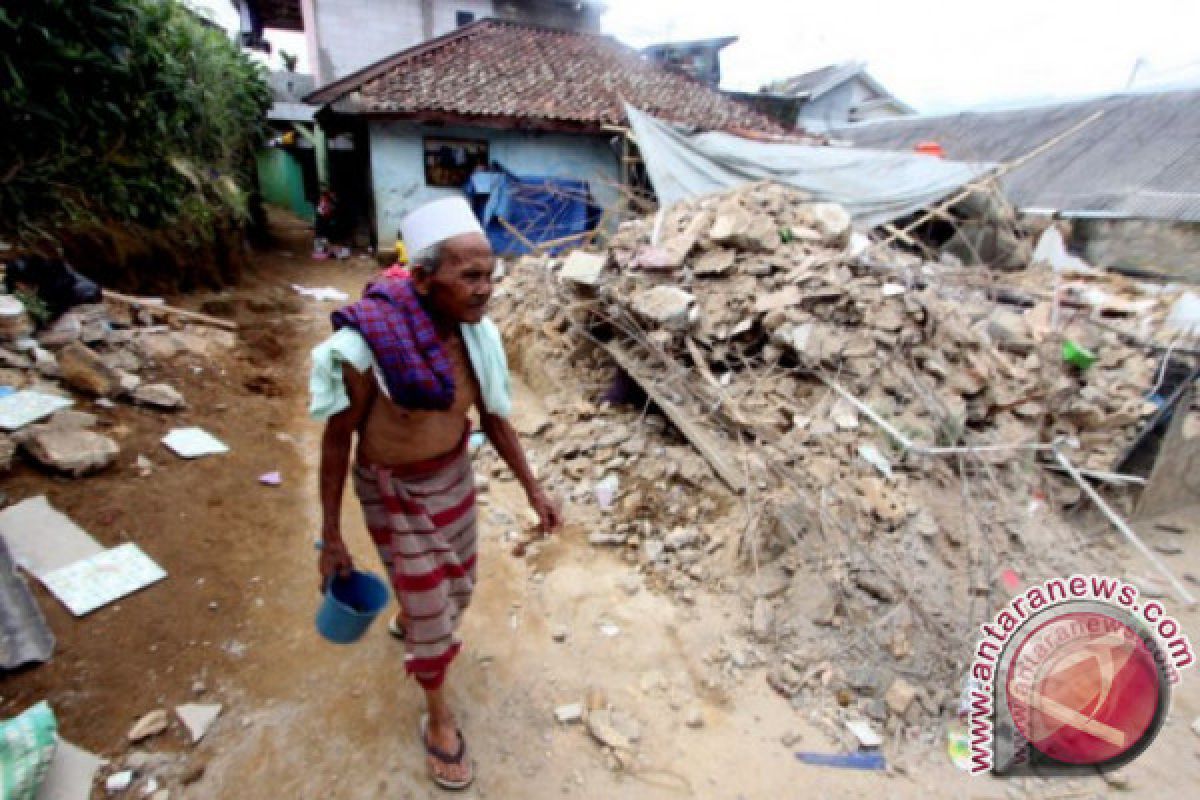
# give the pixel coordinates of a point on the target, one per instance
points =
(694, 718)
(770, 581)
(156, 345)
(149, 725)
(666, 306)
(82, 369)
(118, 781)
(560, 633)
(630, 583)
(715, 262)
(832, 221)
(763, 619)
(583, 267)
(900, 696)
(1116, 779)
(76, 452)
(1008, 330)
(46, 363)
(681, 538)
(198, 718)
(777, 301)
(158, 395)
(568, 713)
(600, 726)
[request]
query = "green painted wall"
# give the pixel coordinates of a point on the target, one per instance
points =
(281, 180)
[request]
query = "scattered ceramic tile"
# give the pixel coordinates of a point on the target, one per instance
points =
(194, 443)
(97, 581)
(26, 406)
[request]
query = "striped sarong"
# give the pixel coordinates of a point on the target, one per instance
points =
(422, 518)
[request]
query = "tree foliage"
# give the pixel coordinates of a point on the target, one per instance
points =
(132, 111)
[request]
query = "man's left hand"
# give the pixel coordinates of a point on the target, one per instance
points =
(549, 514)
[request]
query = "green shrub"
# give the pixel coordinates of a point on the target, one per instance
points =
(126, 111)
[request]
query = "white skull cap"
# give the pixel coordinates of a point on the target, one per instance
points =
(434, 223)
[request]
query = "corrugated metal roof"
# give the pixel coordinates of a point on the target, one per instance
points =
(1140, 159)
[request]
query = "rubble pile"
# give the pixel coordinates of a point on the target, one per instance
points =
(96, 353)
(811, 373)
(763, 277)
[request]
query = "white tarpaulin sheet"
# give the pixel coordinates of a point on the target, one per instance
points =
(875, 186)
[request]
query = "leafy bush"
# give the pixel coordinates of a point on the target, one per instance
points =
(126, 111)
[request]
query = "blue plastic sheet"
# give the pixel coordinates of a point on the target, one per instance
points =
(541, 208)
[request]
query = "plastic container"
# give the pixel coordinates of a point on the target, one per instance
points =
(350, 606)
(1077, 355)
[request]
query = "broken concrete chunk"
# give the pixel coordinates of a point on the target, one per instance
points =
(832, 221)
(681, 538)
(158, 395)
(715, 262)
(770, 581)
(600, 726)
(666, 306)
(571, 712)
(900, 696)
(197, 718)
(1009, 330)
(776, 301)
(763, 619)
(76, 452)
(583, 268)
(149, 725)
(82, 369)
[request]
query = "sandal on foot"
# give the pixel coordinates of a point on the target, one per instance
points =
(443, 757)
(396, 628)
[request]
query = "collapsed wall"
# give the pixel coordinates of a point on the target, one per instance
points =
(815, 378)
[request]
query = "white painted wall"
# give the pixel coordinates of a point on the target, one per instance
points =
(347, 35)
(398, 171)
(351, 34)
(832, 109)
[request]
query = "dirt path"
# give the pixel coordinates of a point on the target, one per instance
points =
(305, 719)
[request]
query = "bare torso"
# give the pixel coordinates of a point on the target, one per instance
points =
(394, 435)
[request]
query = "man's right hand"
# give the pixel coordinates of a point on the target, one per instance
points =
(334, 561)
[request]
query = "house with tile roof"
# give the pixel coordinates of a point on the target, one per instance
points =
(531, 100)
(838, 95)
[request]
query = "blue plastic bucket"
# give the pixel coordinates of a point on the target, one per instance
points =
(350, 606)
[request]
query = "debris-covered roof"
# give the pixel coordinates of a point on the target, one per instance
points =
(1140, 159)
(532, 76)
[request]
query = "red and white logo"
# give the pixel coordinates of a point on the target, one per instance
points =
(1084, 688)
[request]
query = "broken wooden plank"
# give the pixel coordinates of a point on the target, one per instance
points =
(171, 311)
(693, 431)
(508, 226)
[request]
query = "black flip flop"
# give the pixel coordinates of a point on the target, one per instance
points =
(447, 758)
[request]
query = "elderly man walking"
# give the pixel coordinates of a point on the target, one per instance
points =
(403, 369)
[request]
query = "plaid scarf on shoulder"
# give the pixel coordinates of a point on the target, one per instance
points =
(401, 335)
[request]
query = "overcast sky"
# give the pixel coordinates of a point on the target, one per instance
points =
(936, 55)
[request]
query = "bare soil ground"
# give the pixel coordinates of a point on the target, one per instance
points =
(306, 719)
